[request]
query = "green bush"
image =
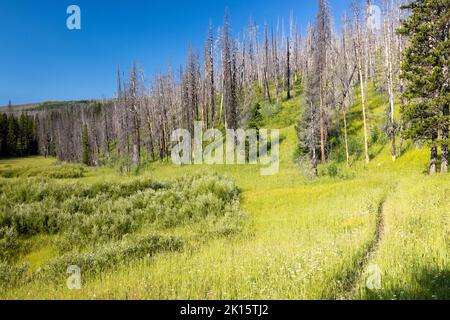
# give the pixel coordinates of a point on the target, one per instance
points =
(332, 170)
(9, 244)
(112, 255)
(85, 216)
(377, 136)
(12, 275)
(38, 189)
(335, 170)
(95, 225)
(66, 171)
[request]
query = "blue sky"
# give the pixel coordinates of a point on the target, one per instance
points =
(41, 60)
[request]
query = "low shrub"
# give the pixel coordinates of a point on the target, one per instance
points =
(38, 189)
(12, 275)
(96, 224)
(335, 170)
(85, 216)
(65, 171)
(10, 245)
(112, 255)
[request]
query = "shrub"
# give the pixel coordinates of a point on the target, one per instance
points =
(335, 170)
(112, 255)
(9, 244)
(37, 189)
(332, 170)
(95, 223)
(377, 136)
(12, 275)
(32, 219)
(66, 171)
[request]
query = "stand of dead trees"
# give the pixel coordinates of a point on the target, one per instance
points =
(222, 87)
(366, 52)
(219, 89)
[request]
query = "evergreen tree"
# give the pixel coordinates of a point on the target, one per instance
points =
(3, 135)
(22, 141)
(12, 135)
(256, 119)
(425, 69)
(17, 135)
(31, 137)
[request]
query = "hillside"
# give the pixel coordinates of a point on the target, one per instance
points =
(296, 238)
(47, 105)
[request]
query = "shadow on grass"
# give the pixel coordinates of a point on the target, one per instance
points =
(429, 284)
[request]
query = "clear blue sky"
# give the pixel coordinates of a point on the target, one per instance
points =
(41, 60)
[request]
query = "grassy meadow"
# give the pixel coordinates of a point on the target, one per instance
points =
(226, 232)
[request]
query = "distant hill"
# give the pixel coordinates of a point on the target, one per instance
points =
(47, 105)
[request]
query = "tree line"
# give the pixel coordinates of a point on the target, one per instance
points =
(218, 88)
(17, 135)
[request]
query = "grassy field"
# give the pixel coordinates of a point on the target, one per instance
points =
(277, 237)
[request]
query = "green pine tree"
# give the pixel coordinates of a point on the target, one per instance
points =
(12, 136)
(32, 139)
(425, 69)
(256, 119)
(22, 143)
(3, 134)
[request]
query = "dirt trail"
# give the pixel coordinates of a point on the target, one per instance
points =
(350, 289)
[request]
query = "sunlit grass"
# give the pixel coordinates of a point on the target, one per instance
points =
(414, 253)
(302, 239)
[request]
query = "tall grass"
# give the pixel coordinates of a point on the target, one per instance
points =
(414, 253)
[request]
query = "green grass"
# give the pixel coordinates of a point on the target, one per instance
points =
(42, 250)
(414, 254)
(301, 239)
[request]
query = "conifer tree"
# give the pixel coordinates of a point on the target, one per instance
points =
(12, 135)
(425, 69)
(256, 118)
